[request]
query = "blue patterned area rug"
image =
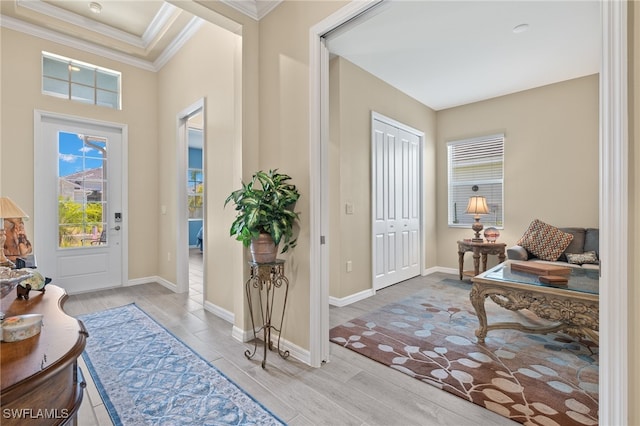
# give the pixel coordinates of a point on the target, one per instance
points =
(146, 376)
(530, 378)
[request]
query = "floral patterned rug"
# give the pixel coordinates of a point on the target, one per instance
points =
(530, 378)
(146, 376)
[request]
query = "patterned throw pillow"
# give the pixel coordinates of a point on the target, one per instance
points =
(544, 241)
(580, 258)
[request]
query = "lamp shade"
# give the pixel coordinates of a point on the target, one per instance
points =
(9, 209)
(477, 205)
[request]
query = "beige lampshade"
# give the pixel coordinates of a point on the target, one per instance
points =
(477, 205)
(9, 209)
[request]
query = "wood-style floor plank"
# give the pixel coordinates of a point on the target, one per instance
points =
(349, 390)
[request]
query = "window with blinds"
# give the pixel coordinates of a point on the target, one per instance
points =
(475, 168)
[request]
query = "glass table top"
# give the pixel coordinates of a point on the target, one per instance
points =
(581, 279)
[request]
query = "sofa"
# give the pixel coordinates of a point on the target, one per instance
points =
(582, 250)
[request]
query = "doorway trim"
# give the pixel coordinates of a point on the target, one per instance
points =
(613, 200)
(182, 224)
(39, 117)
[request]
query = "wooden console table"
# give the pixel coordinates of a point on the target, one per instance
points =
(40, 380)
(479, 249)
(266, 278)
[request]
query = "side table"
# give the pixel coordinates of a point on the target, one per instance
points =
(479, 249)
(266, 278)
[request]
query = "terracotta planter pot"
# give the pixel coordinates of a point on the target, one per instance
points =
(263, 249)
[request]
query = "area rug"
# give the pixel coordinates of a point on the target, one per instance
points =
(146, 376)
(532, 379)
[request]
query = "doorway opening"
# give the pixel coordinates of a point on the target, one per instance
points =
(613, 186)
(191, 225)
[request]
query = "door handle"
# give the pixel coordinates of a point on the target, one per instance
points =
(117, 227)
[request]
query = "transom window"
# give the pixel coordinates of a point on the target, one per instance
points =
(476, 168)
(79, 81)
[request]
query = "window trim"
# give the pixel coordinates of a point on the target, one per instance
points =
(69, 81)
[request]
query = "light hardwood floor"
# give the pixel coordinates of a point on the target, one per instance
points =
(349, 390)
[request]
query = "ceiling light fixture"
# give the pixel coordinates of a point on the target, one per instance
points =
(520, 28)
(95, 7)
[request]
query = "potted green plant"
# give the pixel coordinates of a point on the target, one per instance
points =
(265, 215)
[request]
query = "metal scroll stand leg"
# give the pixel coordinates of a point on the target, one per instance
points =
(266, 277)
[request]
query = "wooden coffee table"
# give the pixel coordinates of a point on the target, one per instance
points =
(572, 307)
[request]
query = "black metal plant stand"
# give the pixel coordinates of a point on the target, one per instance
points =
(266, 278)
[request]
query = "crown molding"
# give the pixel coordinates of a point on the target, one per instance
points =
(158, 23)
(56, 37)
(185, 35)
(256, 9)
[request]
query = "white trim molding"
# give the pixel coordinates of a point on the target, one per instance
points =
(256, 9)
(65, 40)
(318, 182)
(614, 226)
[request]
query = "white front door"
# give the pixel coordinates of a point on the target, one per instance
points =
(79, 218)
(396, 204)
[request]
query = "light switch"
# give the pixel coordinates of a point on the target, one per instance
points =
(348, 208)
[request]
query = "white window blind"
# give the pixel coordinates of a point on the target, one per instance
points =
(476, 169)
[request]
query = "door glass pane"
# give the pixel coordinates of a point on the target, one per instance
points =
(195, 190)
(82, 182)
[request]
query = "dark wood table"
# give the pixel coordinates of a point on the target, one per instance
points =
(479, 249)
(39, 378)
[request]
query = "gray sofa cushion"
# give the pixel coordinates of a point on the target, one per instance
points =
(576, 245)
(592, 241)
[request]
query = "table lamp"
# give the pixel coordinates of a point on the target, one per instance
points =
(477, 206)
(8, 210)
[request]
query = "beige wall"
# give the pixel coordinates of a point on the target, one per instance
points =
(634, 214)
(204, 68)
(551, 158)
(284, 131)
(354, 94)
(21, 85)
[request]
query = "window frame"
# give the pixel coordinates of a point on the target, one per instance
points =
(495, 177)
(72, 85)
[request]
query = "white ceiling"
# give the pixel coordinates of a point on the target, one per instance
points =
(143, 33)
(450, 53)
(442, 53)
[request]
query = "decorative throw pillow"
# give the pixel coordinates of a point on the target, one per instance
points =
(580, 258)
(545, 241)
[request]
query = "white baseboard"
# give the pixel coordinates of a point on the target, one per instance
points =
(340, 302)
(442, 269)
(152, 279)
(344, 301)
(295, 351)
(216, 310)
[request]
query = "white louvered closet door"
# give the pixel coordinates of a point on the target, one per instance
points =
(396, 204)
